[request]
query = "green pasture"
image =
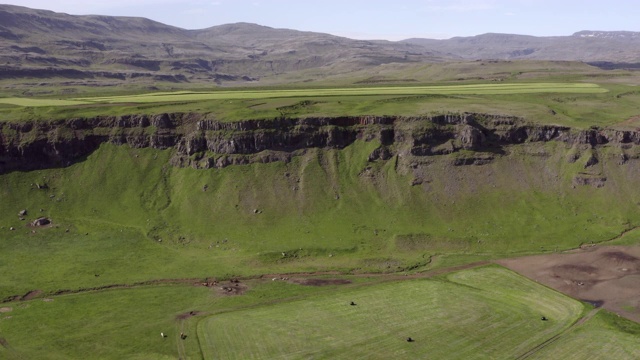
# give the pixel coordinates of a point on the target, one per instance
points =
(606, 336)
(31, 102)
(579, 105)
(473, 89)
(123, 323)
(488, 313)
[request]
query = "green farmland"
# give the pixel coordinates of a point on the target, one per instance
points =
(480, 313)
(479, 89)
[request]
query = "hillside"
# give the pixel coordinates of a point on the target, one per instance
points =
(41, 47)
(44, 44)
(586, 46)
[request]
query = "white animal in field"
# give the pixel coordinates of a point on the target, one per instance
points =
(162, 335)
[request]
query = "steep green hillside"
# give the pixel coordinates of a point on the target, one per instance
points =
(133, 217)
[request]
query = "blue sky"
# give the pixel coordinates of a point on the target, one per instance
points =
(374, 19)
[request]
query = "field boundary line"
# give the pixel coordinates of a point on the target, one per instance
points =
(559, 335)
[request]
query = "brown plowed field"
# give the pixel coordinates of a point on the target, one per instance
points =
(607, 276)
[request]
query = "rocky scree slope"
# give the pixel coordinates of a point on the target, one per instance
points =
(200, 142)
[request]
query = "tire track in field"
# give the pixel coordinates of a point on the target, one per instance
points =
(559, 335)
(13, 354)
(620, 236)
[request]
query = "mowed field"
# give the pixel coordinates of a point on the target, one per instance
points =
(487, 312)
(479, 313)
(595, 339)
(470, 89)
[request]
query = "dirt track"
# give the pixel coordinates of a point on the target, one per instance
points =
(607, 276)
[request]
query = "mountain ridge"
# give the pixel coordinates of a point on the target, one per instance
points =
(77, 49)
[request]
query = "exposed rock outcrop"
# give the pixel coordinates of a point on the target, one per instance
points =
(201, 142)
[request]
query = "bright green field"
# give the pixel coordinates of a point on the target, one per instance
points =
(579, 105)
(598, 338)
(475, 89)
(488, 313)
(489, 89)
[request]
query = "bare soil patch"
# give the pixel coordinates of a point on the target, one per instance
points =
(31, 295)
(320, 282)
(189, 314)
(233, 287)
(606, 276)
(5, 309)
(4, 342)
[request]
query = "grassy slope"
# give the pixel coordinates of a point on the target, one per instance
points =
(133, 218)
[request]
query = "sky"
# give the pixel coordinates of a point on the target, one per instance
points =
(374, 19)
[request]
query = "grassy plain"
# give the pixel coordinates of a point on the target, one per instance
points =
(480, 313)
(606, 336)
(487, 312)
(574, 104)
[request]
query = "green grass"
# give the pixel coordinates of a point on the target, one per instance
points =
(582, 106)
(488, 312)
(606, 336)
(122, 323)
(39, 102)
(472, 89)
(131, 217)
(482, 313)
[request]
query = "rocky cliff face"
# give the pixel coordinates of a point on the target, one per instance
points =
(200, 142)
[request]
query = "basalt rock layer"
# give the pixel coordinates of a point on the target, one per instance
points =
(201, 142)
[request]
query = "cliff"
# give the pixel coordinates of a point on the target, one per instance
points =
(200, 142)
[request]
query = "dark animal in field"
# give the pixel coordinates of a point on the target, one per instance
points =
(544, 318)
(352, 303)
(410, 339)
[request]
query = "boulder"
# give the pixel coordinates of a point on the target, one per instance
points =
(43, 221)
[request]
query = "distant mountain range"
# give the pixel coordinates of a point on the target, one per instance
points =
(43, 44)
(587, 46)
